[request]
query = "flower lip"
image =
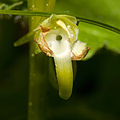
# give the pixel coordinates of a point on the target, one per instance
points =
(58, 41)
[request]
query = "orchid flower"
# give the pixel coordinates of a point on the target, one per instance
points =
(57, 37)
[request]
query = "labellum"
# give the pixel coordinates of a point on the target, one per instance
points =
(57, 37)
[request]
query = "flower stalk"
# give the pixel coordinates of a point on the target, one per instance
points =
(36, 102)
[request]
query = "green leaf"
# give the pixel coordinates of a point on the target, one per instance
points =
(14, 5)
(97, 37)
(4, 6)
(106, 11)
(100, 24)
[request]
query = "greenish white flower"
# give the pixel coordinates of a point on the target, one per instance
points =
(57, 37)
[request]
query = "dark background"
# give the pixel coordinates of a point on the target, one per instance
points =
(96, 92)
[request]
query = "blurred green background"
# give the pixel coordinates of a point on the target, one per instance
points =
(96, 92)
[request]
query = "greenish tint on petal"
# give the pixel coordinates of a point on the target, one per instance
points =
(71, 18)
(71, 26)
(64, 75)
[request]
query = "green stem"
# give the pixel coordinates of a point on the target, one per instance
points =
(38, 64)
(24, 13)
(31, 13)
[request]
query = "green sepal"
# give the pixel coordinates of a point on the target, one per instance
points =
(69, 21)
(25, 39)
(71, 18)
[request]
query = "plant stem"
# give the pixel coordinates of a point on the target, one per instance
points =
(85, 20)
(38, 65)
